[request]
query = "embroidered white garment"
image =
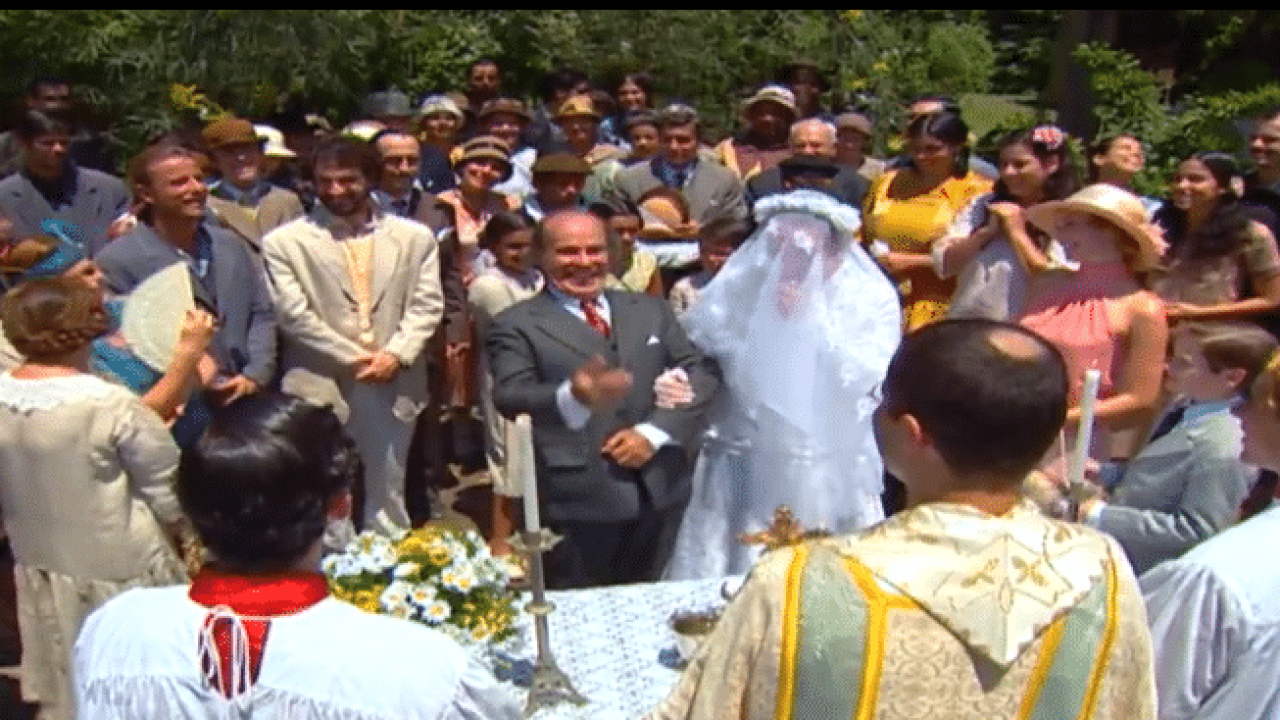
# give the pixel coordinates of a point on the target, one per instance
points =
(44, 393)
(138, 657)
(997, 583)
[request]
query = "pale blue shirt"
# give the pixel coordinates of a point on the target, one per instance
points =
(1215, 625)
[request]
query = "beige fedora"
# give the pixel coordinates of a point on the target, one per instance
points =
(1120, 207)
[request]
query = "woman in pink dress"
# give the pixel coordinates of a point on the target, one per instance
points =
(1098, 315)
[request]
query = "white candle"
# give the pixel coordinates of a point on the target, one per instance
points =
(520, 462)
(1088, 395)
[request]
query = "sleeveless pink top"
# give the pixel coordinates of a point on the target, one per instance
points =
(1071, 312)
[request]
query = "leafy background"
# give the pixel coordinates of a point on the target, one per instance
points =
(143, 71)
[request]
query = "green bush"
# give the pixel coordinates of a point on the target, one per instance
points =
(1128, 99)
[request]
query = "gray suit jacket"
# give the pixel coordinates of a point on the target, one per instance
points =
(713, 191)
(246, 339)
(1181, 489)
(536, 345)
(97, 201)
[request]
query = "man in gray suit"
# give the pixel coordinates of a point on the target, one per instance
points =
(49, 184)
(224, 276)
(709, 189)
(613, 469)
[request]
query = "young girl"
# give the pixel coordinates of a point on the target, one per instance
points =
(1221, 265)
(990, 244)
(509, 236)
(1116, 160)
(1099, 316)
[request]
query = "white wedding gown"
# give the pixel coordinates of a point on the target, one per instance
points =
(803, 324)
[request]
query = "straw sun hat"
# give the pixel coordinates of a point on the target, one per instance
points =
(1119, 207)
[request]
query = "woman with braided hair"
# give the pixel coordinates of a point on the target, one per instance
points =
(85, 471)
(56, 255)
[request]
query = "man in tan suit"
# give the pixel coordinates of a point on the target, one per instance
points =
(242, 200)
(358, 294)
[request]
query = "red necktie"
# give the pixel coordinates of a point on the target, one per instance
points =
(594, 318)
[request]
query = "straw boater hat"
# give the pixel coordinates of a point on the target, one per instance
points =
(1119, 207)
(484, 147)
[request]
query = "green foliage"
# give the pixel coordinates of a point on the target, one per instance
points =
(1023, 41)
(1128, 100)
(152, 70)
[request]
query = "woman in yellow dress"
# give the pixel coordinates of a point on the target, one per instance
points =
(910, 208)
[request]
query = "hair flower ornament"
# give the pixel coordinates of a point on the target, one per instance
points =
(1050, 136)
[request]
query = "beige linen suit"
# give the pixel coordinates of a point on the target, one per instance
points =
(320, 324)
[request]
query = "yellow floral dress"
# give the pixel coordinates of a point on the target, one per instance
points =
(912, 225)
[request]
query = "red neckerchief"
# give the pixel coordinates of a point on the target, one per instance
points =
(253, 600)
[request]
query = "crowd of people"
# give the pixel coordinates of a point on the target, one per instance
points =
(701, 332)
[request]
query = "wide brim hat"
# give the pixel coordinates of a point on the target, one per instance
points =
(441, 104)
(577, 106)
(483, 147)
(855, 121)
(1115, 205)
(775, 94)
(509, 106)
(808, 165)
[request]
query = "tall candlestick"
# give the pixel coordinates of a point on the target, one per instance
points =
(520, 460)
(1088, 396)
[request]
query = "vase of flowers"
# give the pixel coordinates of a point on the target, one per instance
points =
(435, 575)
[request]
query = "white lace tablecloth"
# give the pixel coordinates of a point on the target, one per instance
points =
(614, 644)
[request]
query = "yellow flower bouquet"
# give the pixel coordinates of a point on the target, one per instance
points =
(434, 575)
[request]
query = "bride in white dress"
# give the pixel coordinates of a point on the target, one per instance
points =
(803, 324)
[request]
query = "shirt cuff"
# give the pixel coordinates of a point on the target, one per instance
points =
(1094, 516)
(656, 436)
(574, 413)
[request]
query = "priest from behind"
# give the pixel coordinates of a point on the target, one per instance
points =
(969, 603)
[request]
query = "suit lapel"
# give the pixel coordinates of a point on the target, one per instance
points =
(386, 256)
(329, 256)
(29, 199)
(557, 323)
(236, 218)
(627, 330)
